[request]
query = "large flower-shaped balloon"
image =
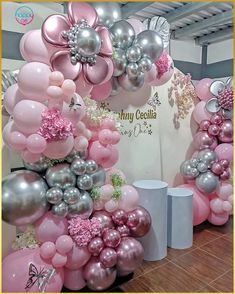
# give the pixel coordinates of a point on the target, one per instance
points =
(223, 98)
(82, 45)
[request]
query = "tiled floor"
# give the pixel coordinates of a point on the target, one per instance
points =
(206, 267)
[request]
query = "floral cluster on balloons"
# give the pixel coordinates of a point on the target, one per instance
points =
(210, 166)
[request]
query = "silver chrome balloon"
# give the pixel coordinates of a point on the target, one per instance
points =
(23, 198)
(207, 156)
(207, 182)
(212, 105)
(98, 177)
(188, 171)
(202, 167)
(75, 154)
(194, 162)
(39, 166)
(88, 42)
(216, 87)
(150, 43)
(133, 53)
(122, 34)
(71, 195)
(119, 62)
(60, 209)
(108, 12)
(145, 64)
(132, 69)
(83, 208)
(60, 176)
(54, 195)
(78, 166)
(91, 166)
(131, 84)
(85, 182)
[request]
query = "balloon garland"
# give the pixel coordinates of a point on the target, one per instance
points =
(208, 172)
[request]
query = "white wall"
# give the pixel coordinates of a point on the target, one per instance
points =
(220, 51)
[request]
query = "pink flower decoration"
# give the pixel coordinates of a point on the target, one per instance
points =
(162, 65)
(83, 231)
(54, 126)
(73, 56)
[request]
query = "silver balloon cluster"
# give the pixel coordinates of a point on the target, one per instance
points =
(133, 55)
(69, 184)
(199, 168)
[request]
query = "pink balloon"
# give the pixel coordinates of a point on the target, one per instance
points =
(27, 116)
(101, 92)
(119, 217)
(111, 205)
(77, 257)
(108, 123)
(226, 131)
(33, 80)
(108, 257)
(15, 272)
(98, 152)
(129, 198)
(55, 92)
(59, 260)
(59, 149)
(123, 230)
(36, 143)
(201, 205)
(17, 141)
(64, 244)
(95, 246)
(213, 130)
(217, 168)
(11, 98)
(76, 114)
(218, 219)
(204, 125)
(200, 113)
(216, 205)
(47, 250)
(110, 70)
(111, 171)
(30, 157)
(166, 76)
(105, 136)
(203, 89)
(83, 88)
(112, 238)
(56, 78)
(68, 87)
(105, 219)
(6, 132)
(144, 222)
(136, 24)
(151, 75)
(115, 137)
(224, 190)
(227, 206)
(224, 151)
(113, 158)
(81, 143)
(203, 140)
(73, 279)
(50, 227)
(106, 192)
(216, 119)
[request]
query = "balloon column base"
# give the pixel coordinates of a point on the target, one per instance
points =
(114, 288)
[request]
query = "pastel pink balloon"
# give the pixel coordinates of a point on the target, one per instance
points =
(151, 75)
(129, 198)
(6, 132)
(50, 227)
(59, 149)
(36, 143)
(105, 136)
(98, 152)
(77, 113)
(201, 204)
(115, 138)
(200, 113)
(203, 89)
(32, 47)
(101, 92)
(224, 151)
(77, 257)
(83, 88)
(11, 98)
(113, 158)
(47, 250)
(98, 205)
(56, 78)
(30, 157)
(110, 69)
(216, 205)
(227, 206)
(224, 190)
(68, 87)
(136, 24)
(111, 205)
(64, 244)
(27, 116)
(108, 123)
(73, 279)
(15, 272)
(17, 141)
(56, 103)
(80, 143)
(55, 92)
(33, 80)
(218, 219)
(106, 192)
(59, 260)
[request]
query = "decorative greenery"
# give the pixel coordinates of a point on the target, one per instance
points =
(95, 193)
(117, 180)
(116, 193)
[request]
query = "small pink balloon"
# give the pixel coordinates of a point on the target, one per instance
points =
(218, 219)
(33, 80)
(73, 279)
(80, 128)
(98, 205)
(59, 260)
(151, 75)
(115, 138)
(17, 141)
(11, 98)
(59, 149)
(30, 157)
(68, 87)
(216, 119)
(224, 151)
(214, 144)
(83, 88)
(227, 206)
(105, 219)
(64, 244)
(95, 246)
(106, 192)
(119, 217)
(132, 219)
(217, 168)
(200, 113)
(202, 140)
(129, 199)
(105, 136)
(111, 205)
(80, 143)
(216, 205)
(203, 89)
(101, 92)
(137, 25)
(224, 163)
(98, 152)
(213, 130)
(56, 78)
(6, 132)
(204, 125)
(113, 158)
(225, 175)
(55, 92)
(123, 230)
(75, 114)
(111, 238)
(36, 143)
(108, 257)
(47, 250)
(226, 131)
(77, 257)
(108, 123)
(230, 199)
(224, 190)
(144, 222)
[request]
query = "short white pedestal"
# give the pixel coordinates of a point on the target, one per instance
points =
(180, 218)
(153, 197)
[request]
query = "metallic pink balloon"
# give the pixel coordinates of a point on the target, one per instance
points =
(111, 238)
(98, 277)
(79, 10)
(119, 217)
(132, 220)
(225, 175)
(213, 130)
(95, 246)
(224, 163)
(202, 140)
(96, 73)
(144, 222)
(130, 255)
(123, 230)
(204, 125)
(105, 219)
(216, 119)
(226, 131)
(108, 257)
(217, 168)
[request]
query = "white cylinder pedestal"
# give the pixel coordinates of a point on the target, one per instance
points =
(153, 197)
(180, 218)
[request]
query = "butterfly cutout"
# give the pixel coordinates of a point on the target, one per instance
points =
(154, 101)
(74, 106)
